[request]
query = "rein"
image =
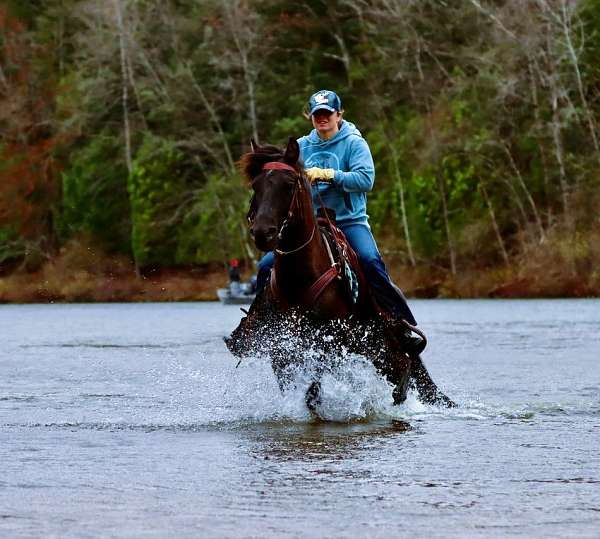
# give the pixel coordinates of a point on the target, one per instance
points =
(312, 235)
(312, 294)
(276, 165)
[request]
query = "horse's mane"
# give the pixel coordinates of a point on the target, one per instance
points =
(251, 163)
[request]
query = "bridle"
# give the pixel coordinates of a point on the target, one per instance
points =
(294, 204)
(311, 295)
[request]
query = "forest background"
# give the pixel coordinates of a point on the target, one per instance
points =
(121, 122)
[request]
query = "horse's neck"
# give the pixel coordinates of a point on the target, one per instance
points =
(297, 272)
(308, 263)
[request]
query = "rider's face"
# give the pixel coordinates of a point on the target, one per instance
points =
(326, 123)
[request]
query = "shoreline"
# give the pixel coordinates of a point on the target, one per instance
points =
(51, 285)
(81, 273)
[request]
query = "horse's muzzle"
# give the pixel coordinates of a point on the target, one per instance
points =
(265, 237)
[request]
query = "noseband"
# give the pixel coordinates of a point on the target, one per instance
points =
(276, 165)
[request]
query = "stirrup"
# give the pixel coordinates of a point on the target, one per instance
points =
(417, 331)
(414, 345)
(402, 331)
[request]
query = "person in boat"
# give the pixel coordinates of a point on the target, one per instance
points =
(340, 166)
(234, 277)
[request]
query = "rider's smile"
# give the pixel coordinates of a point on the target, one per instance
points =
(326, 123)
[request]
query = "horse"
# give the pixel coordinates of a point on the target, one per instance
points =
(310, 292)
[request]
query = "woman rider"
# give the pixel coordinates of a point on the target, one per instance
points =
(336, 154)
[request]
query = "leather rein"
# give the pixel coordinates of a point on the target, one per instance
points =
(313, 293)
(275, 165)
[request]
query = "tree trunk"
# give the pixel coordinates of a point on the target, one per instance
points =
(3, 80)
(565, 20)
(236, 23)
(230, 167)
(124, 84)
(538, 131)
(556, 127)
(451, 250)
(494, 223)
(523, 185)
(400, 184)
(124, 99)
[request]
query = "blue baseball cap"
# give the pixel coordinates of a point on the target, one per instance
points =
(324, 100)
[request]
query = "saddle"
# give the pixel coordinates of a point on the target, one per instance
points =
(341, 254)
(344, 265)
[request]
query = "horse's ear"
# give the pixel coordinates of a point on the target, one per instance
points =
(253, 145)
(292, 152)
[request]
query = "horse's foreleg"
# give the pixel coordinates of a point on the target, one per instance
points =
(395, 367)
(313, 395)
(428, 390)
(400, 390)
(281, 369)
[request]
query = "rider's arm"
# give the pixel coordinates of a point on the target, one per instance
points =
(361, 174)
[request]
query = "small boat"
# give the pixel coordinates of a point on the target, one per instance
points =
(236, 295)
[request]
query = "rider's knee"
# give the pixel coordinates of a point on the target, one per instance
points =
(369, 260)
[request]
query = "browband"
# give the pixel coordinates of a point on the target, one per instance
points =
(276, 165)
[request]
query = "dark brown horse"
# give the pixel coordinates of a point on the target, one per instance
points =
(309, 293)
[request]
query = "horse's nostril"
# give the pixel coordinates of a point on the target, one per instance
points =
(264, 235)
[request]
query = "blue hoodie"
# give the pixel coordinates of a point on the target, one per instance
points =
(348, 154)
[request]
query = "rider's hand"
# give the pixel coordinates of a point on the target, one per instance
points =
(319, 174)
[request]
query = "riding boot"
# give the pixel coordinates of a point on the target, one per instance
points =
(409, 342)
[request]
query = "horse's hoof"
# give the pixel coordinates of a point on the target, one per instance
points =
(443, 400)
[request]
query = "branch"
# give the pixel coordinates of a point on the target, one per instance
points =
(494, 18)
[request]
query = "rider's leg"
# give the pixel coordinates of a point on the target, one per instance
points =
(388, 296)
(264, 270)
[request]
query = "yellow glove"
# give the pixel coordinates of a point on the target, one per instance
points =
(321, 174)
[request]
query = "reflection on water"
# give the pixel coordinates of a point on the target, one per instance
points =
(319, 440)
(140, 411)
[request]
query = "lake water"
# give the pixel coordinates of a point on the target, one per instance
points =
(131, 420)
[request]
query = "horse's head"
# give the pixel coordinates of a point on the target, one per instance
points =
(276, 177)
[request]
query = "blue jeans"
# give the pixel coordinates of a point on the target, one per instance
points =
(388, 295)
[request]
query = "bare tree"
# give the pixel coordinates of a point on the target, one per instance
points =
(400, 184)
(492, 213)
(125, 78)
(449, 238)
(242, 27)
(515, 168)
(563, 18)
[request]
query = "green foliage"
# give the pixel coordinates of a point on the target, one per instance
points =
(11, 245)
(155, 188)
(589, 39)
(446, 97)
(425, 215)
(212, 230)
(95, 200)
(289, 127)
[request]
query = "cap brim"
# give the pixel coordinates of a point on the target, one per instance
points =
(321, 107)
